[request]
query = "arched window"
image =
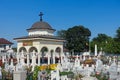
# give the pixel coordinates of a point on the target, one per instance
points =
(22, 49)
(44, 49)
(33, 49)
(58, 50)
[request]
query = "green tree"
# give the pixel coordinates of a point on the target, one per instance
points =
(14, 49)
(117, 37)
(103, 41)
(61, 33)
(116, 44)
(77, 38)
(101, 37)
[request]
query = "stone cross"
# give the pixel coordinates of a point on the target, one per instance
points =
(33, 58)
(22, 58)
(77, 62)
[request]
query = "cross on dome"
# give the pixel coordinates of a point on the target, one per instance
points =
(41, 14)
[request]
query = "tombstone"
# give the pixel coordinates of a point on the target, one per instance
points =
(19, 67)
(77, 62)
(59, 67)
(11, 63)
(61, 58)
(84, 57)
(118, 69)
(88, 72)
(18, 57)
(39, 75)
(100, 52)
(11, 67)
(89, 78)
(3, 59)
(80, 57)
(92, 69)
(33, 61)
(113, 71)
(6, 66)
(0, 73)
(55, 75)
(64, 77)
(22, 58)
(42, 75)
(65, 63)
(82, 65)
(95, 50)
(19, 75)
(110, 60)
(99, 65)
(30, 77)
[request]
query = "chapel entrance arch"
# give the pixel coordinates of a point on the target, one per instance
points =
(58, 51)
(22, 49)
(33, 49)
(51, 54)
(43, 53)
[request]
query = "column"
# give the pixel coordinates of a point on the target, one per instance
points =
(28, 59)
(11, 64)
(53, 58)
(38, 59)
(42, 57)
(18, 57)
(61, 58)
(48, 59)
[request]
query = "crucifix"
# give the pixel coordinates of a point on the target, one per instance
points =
(41, 14)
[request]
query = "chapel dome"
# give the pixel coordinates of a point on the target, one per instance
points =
(41, 25)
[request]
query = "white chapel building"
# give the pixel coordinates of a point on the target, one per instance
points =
(40, 40)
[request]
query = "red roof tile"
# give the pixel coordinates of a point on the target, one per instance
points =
(4, 41)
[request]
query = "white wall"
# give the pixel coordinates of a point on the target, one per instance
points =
(41, 32)
(39, 44)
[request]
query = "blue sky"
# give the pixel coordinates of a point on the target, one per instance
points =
(99, 16)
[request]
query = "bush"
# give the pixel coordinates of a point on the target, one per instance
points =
(65, 73)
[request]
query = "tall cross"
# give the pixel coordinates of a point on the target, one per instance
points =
(41, 14)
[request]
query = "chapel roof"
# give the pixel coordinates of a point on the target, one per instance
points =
(40, 36)
(41, 25)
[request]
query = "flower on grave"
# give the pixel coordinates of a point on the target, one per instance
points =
(43, 67)
(97, 73)
(53, 66)
(50, 67)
